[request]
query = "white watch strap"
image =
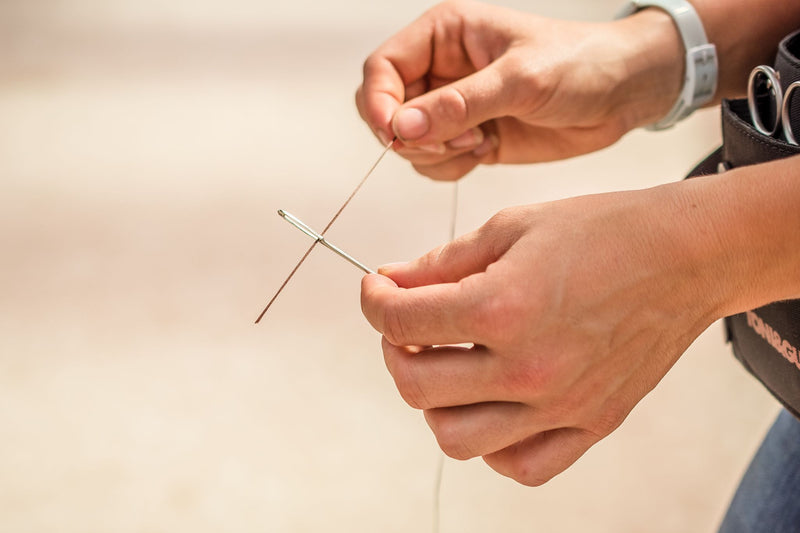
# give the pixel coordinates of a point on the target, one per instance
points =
(700, 79)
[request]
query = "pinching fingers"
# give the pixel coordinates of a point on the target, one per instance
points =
(537, 459)
(421, 316)
(443, 376)
(482, 429)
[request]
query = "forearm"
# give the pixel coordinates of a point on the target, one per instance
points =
(743, 230)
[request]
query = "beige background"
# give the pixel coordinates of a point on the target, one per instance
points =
(144, 148)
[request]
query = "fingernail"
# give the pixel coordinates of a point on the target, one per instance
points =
(434, 148)
(388, 268)
(489, 143)
(410, 124)
(384, 137)
(469, 139)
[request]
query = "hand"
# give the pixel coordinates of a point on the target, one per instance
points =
(576, 310)
(469, 83)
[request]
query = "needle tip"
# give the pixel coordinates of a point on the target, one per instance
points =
(282, 213)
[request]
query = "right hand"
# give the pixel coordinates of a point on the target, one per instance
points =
(572, 317)
(469, 83)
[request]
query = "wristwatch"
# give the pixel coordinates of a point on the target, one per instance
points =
(700, 78)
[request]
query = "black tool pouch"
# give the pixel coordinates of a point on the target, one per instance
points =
(766, 340)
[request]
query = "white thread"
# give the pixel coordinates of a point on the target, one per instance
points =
(437, 493)
(437, 483)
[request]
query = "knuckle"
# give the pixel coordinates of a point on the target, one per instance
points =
(436, 261)
(521, 67)
(498, 316)
(404, 379)
(607, 420)
(450, 172)
(369, 305)
(393, 326)
(439, 172)
(449, 434)
(502, 222)
(531, 84)
(449, 8)
(528, 471)
(425, 170)
(530, 477)
(483, 317)
(442, 254)
(451, 106)
(370, 63)
(453, 3)
(532, 379)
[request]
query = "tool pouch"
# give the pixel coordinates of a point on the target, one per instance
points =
(766, 340)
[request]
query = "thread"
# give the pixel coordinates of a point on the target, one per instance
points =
(439, 472)
(339, 212)
(437, 480)
(437, 493)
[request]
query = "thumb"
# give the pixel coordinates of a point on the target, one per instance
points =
(469, 254)
(448, 111)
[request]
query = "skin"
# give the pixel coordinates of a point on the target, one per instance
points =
(561, 87)
(572, 316)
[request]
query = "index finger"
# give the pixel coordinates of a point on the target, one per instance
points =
(437, 314)
(396, 64)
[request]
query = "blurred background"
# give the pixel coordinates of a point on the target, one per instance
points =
(144, 149)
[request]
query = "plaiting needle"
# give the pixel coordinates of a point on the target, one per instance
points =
(302, 226)
(324, 231)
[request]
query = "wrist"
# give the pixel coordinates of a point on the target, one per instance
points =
(653, 56)
(740, 229)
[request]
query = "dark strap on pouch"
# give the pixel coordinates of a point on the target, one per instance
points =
(787, 65)
(742, 145)
(786, 62)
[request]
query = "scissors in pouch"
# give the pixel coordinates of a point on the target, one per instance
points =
(771, 108)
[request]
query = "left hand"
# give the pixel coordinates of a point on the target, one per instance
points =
(470, 83)
(576, 309)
